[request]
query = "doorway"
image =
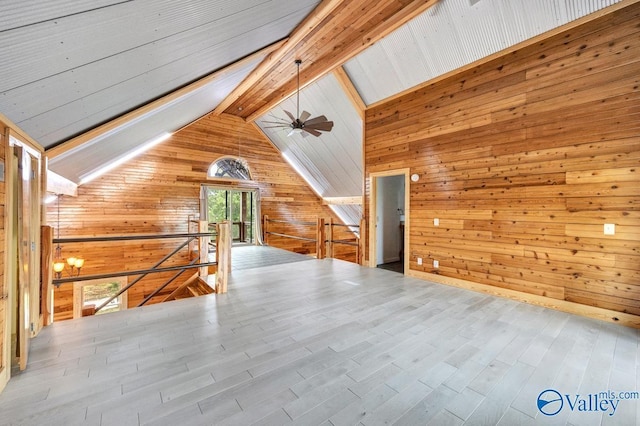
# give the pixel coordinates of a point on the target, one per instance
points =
(23, 262)
(388, 213)
(239, 206)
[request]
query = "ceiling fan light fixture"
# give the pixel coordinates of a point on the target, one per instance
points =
(301, 124)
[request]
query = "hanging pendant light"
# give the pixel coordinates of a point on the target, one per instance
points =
(75, 263)
(58, 261)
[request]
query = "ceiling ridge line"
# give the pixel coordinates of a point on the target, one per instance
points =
(306, 27)
(366, 40)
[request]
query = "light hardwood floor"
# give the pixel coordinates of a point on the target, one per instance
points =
(324, 342)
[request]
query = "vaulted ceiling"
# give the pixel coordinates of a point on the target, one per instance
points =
(92, 81)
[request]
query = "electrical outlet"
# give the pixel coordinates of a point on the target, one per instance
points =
(609, 229)
(419, 261)
(436, 264)
(436, 222)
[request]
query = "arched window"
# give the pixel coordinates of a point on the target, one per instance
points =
(229, 167)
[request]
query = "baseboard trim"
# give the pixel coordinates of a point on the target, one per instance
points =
(602, 314)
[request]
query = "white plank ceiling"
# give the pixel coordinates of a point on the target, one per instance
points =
(79, 163)
(448, 36)
(455, 33)
(70, 65)
(332, 162)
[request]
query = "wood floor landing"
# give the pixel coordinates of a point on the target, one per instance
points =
(252, 256)
(324, 342)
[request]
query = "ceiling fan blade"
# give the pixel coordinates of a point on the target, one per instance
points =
(283, 123)
(304, 116)
(304, 134)
(318, 119)
(312, 131)
(282, 126)
(325, 126)
(289, 115)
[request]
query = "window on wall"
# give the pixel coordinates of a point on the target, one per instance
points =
(97, 292)
(230, 168)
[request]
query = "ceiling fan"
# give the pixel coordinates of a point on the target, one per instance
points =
(301, 123)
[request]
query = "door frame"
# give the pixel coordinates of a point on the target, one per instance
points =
(373, 198)
(27, 294)
(257, 231)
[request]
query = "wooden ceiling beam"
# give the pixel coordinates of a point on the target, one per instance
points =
(302, 31)
(342, 201)
(331, 44)
(352, 93)
(60, 185)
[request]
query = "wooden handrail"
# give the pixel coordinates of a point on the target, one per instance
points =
(344, 225)
(313, 240)
(324, 235)
(346, 242)
(292, 222)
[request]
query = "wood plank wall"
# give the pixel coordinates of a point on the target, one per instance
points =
(158, 191)
(3, 290)
(524, 159)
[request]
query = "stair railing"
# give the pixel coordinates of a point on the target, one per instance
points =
(223, 252)
(324, 235)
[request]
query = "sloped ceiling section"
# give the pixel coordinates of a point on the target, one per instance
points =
(70, 65)
(78, 163)
(332, 162)
(452, 34)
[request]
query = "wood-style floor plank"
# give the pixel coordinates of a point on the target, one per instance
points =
(323, 342)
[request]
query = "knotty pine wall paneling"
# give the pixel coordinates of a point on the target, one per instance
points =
(157, 192)
(524, 159)
(4, 292)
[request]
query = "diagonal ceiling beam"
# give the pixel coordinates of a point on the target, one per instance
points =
(351, 91)
(346, 30)
(306, 27)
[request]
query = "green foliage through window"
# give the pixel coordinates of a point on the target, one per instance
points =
(234, 205)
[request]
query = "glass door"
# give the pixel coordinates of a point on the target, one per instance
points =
(239, 206)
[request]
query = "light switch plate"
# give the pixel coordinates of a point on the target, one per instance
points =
(419, 261)
(436, 222)
(609, 229)
(436, 264)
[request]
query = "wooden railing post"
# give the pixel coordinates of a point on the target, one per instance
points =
(203, 248)
(361, 242)
(223, 254)
(46, 274)
(265, 229)
(330, 238)
(320, 237)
